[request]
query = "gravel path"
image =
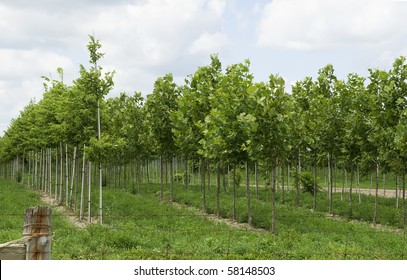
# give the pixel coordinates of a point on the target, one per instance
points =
(384, 193)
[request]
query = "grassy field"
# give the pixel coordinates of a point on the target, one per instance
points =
(142, 227)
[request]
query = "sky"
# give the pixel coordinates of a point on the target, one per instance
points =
(146, 39)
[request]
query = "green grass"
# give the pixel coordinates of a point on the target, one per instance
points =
(142, 227)
(14, 199)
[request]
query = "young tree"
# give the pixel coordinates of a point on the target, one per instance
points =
(158, 108)
(223, 134)
(266, 124)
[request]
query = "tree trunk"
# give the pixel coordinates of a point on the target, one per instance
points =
(61, 169)
(375, 216)
(297, 182)
(100, 192)
(384, 184)
(120, 173)
(234, 193)
(288, 176)
(89, 189)
(82, 186)
(66, 177)
(139, 177)
(273, 200)
(50, 170)
(209, 175)
(56, 174)
(172, 178)
(358, 183)
(148, 170)
(133, 186)
(330, 186)
(404, 200)
(249, 209)
(23, 169)
(397, 191)
(350, 191)
(186, 174)
(72, 177)
(203, 188)
(218, 191)
(161, 179)
(343, 181)
(256, 178)
(315, 183)
(282, 182)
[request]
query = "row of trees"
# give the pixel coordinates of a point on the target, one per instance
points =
(223, 118)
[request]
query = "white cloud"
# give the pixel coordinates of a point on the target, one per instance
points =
(218, 6)
(142, 39)
(209, 43)
(27, 64)
(321, 24)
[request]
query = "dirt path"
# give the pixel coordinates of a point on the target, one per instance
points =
(383, 193)
(71, 216)
(215, 218)
(378, 227)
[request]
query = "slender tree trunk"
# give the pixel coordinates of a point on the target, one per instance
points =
(249, 208)
(404, 200)
(350, 191)
(148, 171)
(397, 191)
(358, 183)
(297, 182)
(384, 184)
(186, 174)
(315, 183)
(43, 172)
(82, 186)
(66, 176)
(35, 171)
(100, 192)
(23, 169)
(50, 170)
(288, 176)
(203, 187)
(133, 187)
(330, 186)
(61, 160)
(138, 163)
(72, 177)
(125, 174)
(282, 182)
(29, 169)
(56, 174)
(120, 173)
(209, 174)
(224, 178)
(273, 200)
(89, 190)
(172, 178)
(218, 190)
(256, 178)
(375, 216)
(234, 192)
(343, 181)
(161, 179)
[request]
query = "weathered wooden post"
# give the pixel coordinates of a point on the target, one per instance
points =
(37, 232)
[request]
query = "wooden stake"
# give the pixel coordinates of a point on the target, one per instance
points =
(37, 229)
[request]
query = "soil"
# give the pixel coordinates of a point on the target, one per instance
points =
(215, 218)
(71, 216)
(384, 193)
